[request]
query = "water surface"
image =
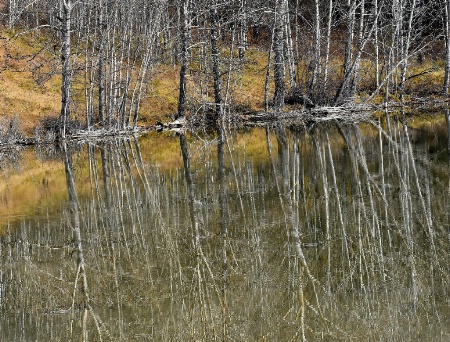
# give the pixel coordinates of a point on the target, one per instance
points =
(287, 233)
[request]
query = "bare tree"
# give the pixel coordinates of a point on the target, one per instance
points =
(327, 48)
(185, 27)
(316, 65)
(405, 44)
(343, 90)
(66, 73)
(215, 58)
(102, 26)
(447, 45)
(279, 70)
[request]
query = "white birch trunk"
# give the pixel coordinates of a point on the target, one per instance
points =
(289, 45)
(376, 48)
(405, 49)
(215, 58)
(327, 47)
(317, 54)
(66, 67)
(12, 15)
(447, 43)
(359, 52)
(182, 96)
(101, 63)
(242, 29)
(279, 71)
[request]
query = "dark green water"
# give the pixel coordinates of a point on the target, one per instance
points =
(335, 233)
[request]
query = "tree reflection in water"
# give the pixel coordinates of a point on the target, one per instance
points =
(333, 232)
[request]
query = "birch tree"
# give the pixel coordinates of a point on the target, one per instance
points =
(185, 27)
(327, 48)
(279, 71)
(361, 29)
(405, 46)
(215, 58)
(66, 73)
(348, 51)
(447, 45)
(12, 13)
(317, 47)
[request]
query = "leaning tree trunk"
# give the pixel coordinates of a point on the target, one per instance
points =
(65, 60)
(278, 49)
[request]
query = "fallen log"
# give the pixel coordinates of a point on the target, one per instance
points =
(352, 113)
(175, 125)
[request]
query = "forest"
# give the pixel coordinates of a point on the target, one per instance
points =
(105, 54)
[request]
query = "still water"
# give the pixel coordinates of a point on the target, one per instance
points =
(333, 232)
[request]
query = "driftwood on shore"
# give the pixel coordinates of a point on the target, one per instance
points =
(347, 113)
(318, 114)
(352, 113)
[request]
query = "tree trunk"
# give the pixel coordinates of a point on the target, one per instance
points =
(348, 52)
(215, 59)
(405, 49)
(182, 97)
(242, 29)
(327, 48)
(269, 61)
(66, 68)
(101, 64)
(289, 45)
(296, 42)
(354, 82)
(377, 53)
(89, 16)
(279, 72)
(343, 91)
(12, 15)
(316, 61)
(447, 43)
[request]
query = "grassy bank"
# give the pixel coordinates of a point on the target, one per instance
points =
(30, 87)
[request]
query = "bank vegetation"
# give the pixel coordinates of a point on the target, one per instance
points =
(114, 66)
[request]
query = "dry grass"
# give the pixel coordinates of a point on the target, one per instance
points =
(250, 90)
(162, 95)
(426, 78)
(20, 94)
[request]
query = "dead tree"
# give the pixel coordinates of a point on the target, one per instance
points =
(185, 26)
(447, 43)
(215, 58)
(66, 73)
(279, 71)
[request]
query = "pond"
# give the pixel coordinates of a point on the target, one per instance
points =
(331, 232)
